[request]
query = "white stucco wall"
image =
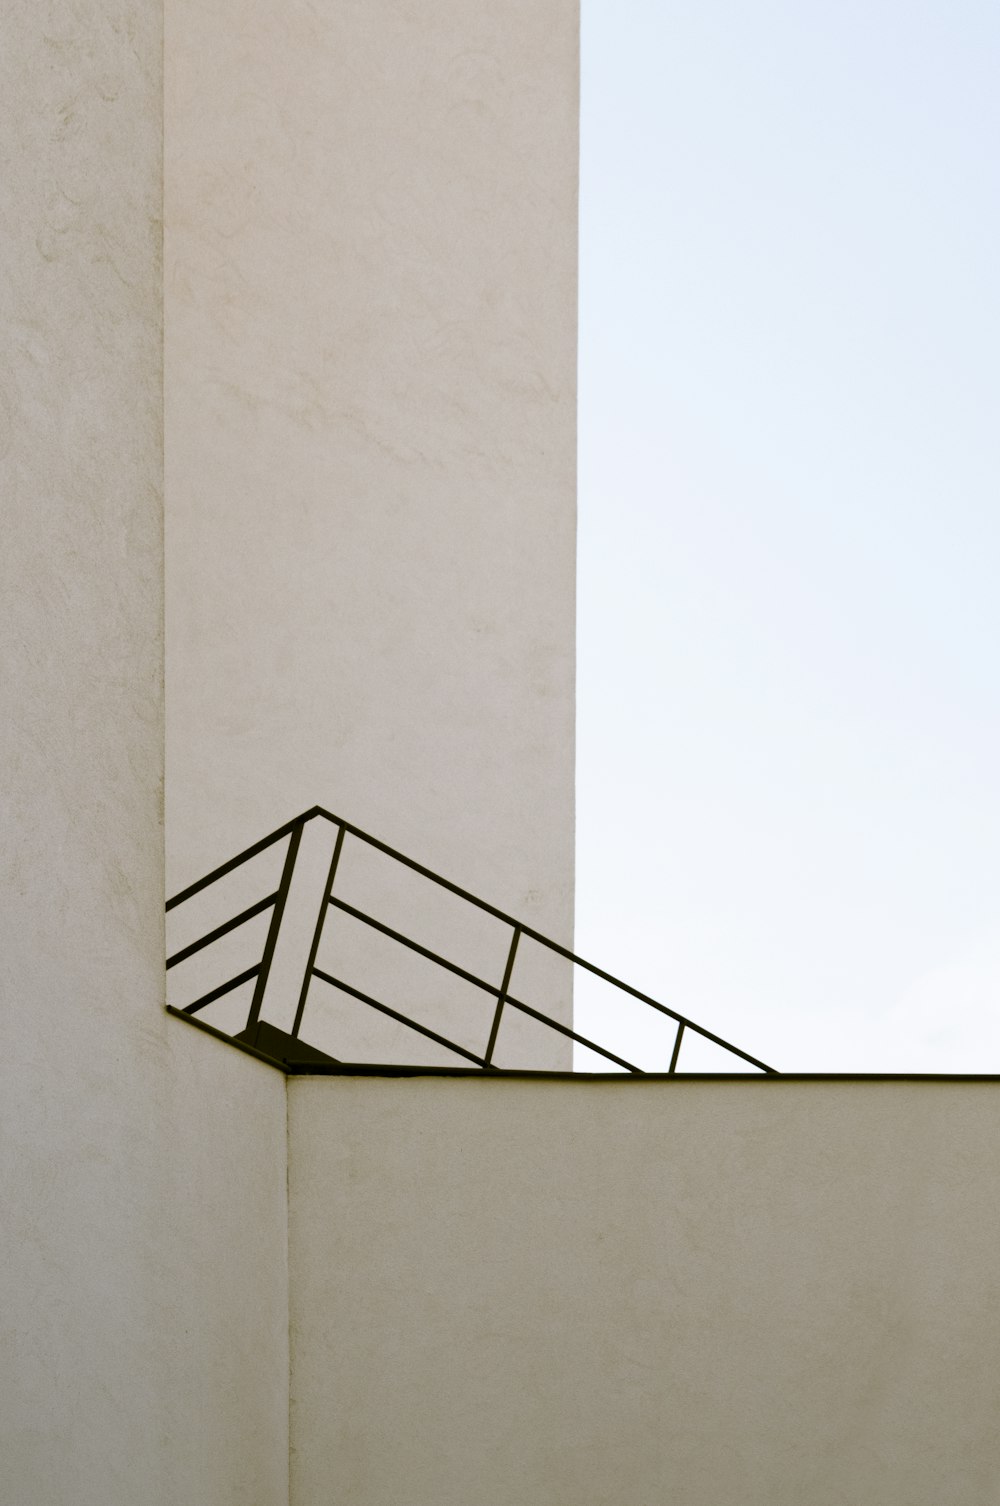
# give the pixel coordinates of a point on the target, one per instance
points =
(370, 433)
(720, 1294)
(142, 1248)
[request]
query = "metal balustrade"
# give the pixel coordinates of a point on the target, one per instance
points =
(290, 1048)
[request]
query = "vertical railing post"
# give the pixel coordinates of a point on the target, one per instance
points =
(502, 996)
(272, 932)
(324, 905)
(677, 1047)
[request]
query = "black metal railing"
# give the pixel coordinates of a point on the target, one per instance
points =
(286, 1044)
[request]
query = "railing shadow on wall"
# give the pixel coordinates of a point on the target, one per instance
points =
(314, 995)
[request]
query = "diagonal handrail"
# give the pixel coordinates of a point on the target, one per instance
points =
(242, 857)
(223, 930)
(534, 935)
(293, 830)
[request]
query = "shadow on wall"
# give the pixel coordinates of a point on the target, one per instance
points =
(313, 931)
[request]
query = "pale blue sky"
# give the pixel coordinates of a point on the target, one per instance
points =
(789, 719)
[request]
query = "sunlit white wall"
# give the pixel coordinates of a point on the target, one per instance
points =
(370, 438)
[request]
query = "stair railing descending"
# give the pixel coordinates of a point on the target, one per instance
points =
(288, 1048)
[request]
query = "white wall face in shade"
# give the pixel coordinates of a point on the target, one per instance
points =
(722, 1294)
(142, 1249)
(370, 432)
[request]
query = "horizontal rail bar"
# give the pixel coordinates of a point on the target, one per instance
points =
(565, 1030)
(490, 988)
(230, 925)
(645, 999)
(414, 946)
(545, 941)
(224, 988)
(242, 857)
(402, 1018)
(428, 873)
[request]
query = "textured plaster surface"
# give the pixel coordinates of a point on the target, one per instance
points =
(142, 1323)
(716, 1294)
(370, 432)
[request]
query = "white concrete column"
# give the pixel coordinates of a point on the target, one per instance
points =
(370, 433)
(143, 1284)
